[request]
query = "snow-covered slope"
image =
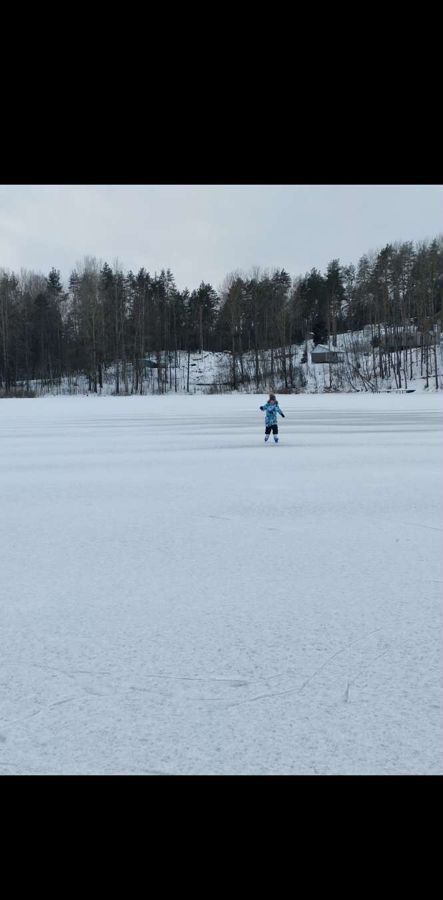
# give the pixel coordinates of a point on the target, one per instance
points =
(212, 372)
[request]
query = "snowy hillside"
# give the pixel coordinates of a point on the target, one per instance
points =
(213, 372)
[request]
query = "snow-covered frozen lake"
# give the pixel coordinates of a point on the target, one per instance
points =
(177, 597)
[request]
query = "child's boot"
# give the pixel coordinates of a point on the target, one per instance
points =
(266, 437)
(276, 440)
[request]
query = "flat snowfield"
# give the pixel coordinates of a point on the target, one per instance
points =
(177, 597)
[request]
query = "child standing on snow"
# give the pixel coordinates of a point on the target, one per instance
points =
(271, 408)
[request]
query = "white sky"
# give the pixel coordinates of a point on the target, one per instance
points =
(203, 232)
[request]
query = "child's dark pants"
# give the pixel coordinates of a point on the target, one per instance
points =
(273, 428)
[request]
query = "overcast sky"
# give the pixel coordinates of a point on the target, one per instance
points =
(203, 232)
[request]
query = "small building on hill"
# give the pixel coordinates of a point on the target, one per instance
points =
(322, 354)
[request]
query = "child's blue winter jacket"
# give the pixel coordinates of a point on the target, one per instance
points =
(271, 410)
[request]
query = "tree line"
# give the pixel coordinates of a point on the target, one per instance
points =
(105, 318)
